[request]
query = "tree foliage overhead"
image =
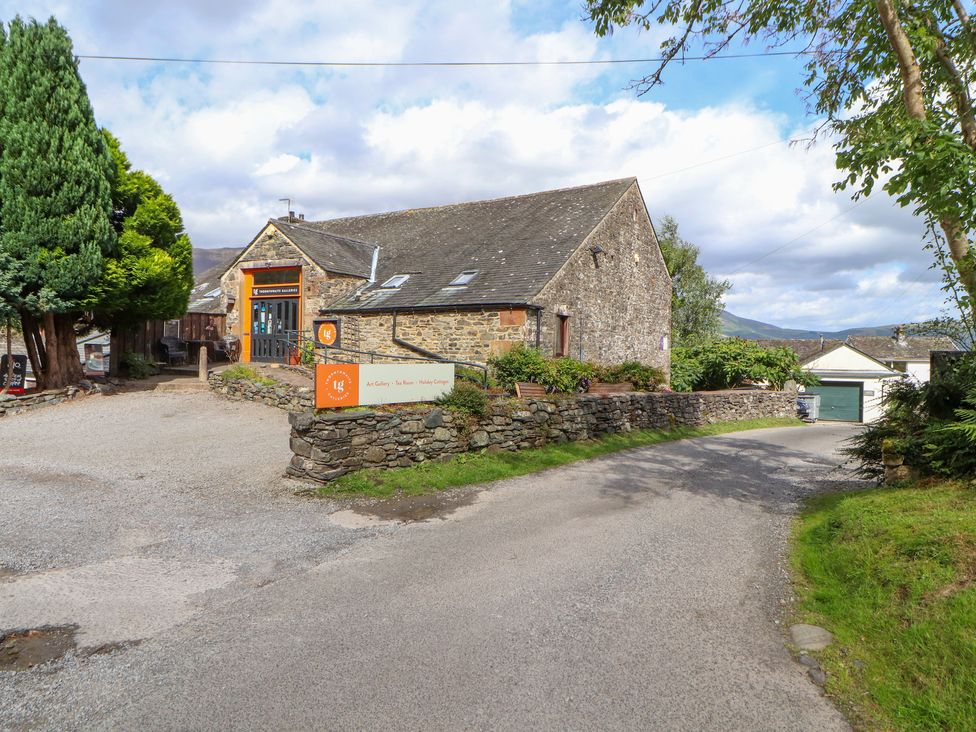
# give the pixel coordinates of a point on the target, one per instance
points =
(894, 79)
(696, 298)
(55, 201)
(151, 273)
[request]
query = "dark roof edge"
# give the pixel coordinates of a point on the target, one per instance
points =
(313, 230)
(274, 222)
(413, 308)
(567, 260)
(631, 178)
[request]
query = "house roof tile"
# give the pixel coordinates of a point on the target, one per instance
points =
(516, 244)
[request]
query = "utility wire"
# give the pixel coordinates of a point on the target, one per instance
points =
(415, 64)
(715, 160)
(797, 238)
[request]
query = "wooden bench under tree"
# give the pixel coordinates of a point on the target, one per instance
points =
(598, 387)
(525, 389)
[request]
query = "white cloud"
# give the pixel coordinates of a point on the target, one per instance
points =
(229, 141)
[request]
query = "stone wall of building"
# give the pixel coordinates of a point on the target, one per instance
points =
(283, 396)
(319, 288)
(619, 300)
(463, 335)
(11, 404)
(327, 445)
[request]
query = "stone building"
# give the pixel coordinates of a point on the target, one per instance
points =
(576, 272)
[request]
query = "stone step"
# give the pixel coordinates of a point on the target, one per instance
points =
(187, 384)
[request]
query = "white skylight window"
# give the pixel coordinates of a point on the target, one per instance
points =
(213, 293)
(395, 281)
(464, 278)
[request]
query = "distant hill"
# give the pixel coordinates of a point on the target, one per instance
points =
(206, 259)
(733, 325)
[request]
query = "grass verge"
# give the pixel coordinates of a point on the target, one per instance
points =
(892, 573)
(481, 467)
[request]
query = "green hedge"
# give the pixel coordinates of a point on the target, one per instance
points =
(562, 374)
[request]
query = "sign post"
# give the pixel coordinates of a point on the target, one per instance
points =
(353, 385)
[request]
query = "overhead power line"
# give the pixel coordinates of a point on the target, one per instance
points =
(416, 64)
(797, 238)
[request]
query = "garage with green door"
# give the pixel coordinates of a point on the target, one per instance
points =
(840, 401)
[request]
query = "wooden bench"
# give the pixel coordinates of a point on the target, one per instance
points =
(528, 389)
(598, 387)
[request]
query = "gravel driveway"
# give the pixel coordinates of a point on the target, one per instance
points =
(196, 591)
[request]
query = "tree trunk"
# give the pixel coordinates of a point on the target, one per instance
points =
(911, 76)
(35, 348)
(63, 363)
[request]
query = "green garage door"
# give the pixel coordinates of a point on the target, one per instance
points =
(840, 401)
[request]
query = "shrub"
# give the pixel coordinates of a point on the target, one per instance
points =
(644, 378)
(928, 424)
(686, 370)
(466, 398)
(730, 362)
(519, 364)
(137, 366)
(527, 364)
(306, 355)
(240, 372)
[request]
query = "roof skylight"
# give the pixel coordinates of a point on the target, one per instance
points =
(395, 281)
(464, 278)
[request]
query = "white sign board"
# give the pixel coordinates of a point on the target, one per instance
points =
(383, 383)
(350, 385)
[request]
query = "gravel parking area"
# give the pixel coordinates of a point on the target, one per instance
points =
(126, 515)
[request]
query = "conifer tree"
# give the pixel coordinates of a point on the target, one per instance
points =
(55, 200)
(150, 275)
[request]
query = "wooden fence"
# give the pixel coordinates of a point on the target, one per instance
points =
(144, 339)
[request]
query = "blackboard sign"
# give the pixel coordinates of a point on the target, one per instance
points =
(18, 383)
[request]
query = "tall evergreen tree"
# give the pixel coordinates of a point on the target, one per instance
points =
(55, 200)
(150, 275)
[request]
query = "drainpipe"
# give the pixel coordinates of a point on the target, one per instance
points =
(538, 329)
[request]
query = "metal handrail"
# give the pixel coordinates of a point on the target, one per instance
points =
(300, 337)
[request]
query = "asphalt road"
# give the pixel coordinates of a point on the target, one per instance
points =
(642, 590)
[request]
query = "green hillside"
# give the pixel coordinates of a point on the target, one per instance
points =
(733, 325)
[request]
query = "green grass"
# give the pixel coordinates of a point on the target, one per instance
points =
(481, 467)
(892, 573)
(247, 373)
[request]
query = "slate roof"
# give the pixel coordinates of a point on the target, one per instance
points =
(339, 254)
(516, 244)
(910, 348)
(806, 349)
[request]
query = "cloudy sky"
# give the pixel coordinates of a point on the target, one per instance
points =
(711, 148)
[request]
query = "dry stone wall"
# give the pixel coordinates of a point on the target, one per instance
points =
(16, 403)
(284, 396)
(327, 445)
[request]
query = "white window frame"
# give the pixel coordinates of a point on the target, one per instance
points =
(465, 278)
(395, 281)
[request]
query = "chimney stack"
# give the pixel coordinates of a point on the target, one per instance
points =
(821, 341)
(900, 338)
(291, 216)
(301, 217)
